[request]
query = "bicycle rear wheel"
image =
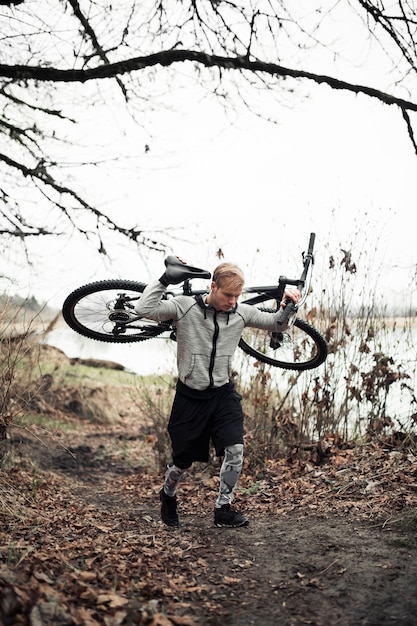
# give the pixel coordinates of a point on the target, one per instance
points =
(105, 311)
(300, 347)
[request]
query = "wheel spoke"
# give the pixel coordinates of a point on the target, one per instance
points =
(105, 311)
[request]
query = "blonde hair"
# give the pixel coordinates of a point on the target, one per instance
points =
(230, 274)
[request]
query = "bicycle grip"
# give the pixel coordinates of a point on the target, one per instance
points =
(286, 312)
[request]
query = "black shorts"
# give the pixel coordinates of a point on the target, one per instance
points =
(200, 416)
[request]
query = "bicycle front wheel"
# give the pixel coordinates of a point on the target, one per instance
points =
(105, 311)
(300, 347)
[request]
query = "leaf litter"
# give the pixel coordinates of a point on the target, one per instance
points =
(331, 541)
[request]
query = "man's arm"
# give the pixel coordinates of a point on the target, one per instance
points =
(152, 305)
(276, 321)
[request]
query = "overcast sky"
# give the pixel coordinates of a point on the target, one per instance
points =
(336, 164)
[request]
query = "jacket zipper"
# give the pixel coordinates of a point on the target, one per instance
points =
(213, 351)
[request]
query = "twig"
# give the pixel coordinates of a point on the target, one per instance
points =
(327, 568)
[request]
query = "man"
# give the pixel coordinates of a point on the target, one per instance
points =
(206, 406)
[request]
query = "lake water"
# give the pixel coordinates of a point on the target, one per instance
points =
(158, 355)
(155, 356)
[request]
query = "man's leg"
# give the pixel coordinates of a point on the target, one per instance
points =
(230, 471)
(168, 497)
(172, 477)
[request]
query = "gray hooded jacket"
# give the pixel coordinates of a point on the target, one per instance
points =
(206, 338)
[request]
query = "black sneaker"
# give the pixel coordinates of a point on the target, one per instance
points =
(226, 516)
(169, 513)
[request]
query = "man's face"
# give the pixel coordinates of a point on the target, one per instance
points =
(225, 297)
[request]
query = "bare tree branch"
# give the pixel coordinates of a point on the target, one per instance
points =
(246, 47)
(41, 174)
(169, 57)
(94, 39)
(388, 21)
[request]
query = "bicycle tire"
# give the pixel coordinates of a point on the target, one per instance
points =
(302, 346)
(89, 311)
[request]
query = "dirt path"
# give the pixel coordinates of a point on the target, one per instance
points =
(299, 568)
(95, 551)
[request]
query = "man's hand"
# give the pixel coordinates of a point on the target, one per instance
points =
(292, 294)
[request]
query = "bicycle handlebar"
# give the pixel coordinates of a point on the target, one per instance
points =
(308, 259)
(179, 271)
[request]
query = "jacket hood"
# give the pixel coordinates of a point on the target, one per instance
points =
(203, 305)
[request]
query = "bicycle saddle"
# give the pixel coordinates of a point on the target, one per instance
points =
(177, 271)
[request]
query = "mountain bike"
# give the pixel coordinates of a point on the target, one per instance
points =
(105, 311)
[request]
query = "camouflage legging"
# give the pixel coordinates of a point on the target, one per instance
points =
(229, 475)
(172, 478)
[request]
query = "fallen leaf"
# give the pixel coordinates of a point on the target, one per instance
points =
(231, 581)
(87, 575)
(183, 621)
(112, 599)
(160, 620)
